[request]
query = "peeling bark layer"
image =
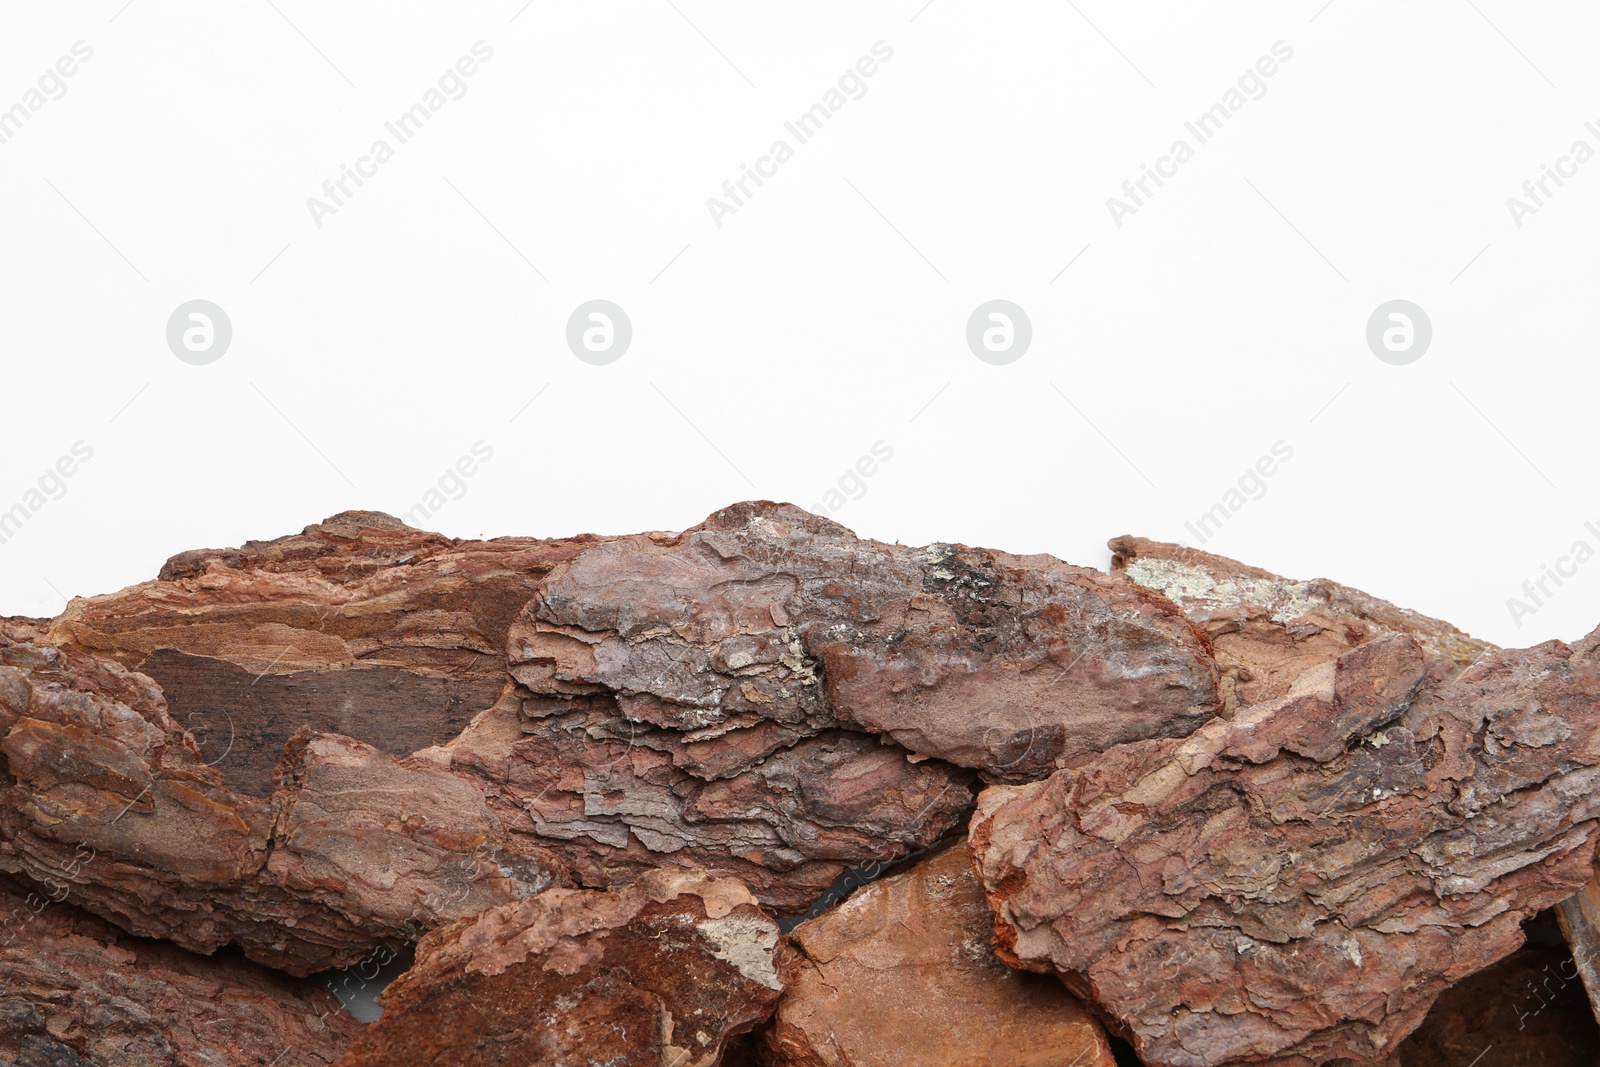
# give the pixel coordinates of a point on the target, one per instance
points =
(1265, 630)
(611, 799)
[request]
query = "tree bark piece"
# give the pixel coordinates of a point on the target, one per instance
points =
(1257, 893)
(903, 973)
(103, 794)
(76, 991)
(357, 847)
(318, 630)
(766, 618)
(663, 973)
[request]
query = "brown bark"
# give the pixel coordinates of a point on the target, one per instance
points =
(1299, 879)
(75, 990)
(903, 972)
(663, 973)
(766, 624)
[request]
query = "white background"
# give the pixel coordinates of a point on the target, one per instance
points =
(829, 312)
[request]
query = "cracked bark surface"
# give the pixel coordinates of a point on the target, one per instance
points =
(354, 846)
(663, 973)
(766, 624)
(1298, 880)
(77, 992)
(610, 799)
(1249, 819)
(313, 630)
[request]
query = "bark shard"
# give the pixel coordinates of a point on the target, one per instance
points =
(1298, 880)
(664, 973)
(770, 621)
(320, 630)
(102, 793)
(76, 990)
(903, 972)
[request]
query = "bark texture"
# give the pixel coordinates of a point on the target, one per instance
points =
(663, 973)
(1246, 819)
(321, 629)
(102, 794)
(769, 624)
(1299, 879)
(77, 992)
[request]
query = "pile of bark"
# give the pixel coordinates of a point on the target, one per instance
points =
(1185, 813)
